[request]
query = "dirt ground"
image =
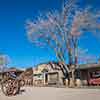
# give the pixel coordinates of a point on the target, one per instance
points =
(51, 93)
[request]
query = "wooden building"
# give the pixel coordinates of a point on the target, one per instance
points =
(27, 77)
(47, 74)
(86, 72)
(15, 71)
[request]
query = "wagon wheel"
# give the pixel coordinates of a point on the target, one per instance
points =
(22, 82)
(16, 87)
(6, 87)
(10, 87)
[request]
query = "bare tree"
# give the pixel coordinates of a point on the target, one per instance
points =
(60, 31)
(4, 60)
(85, 57)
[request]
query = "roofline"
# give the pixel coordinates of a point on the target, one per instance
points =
(89, 66)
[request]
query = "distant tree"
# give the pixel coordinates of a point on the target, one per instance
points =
(4, 60)
(60, 31)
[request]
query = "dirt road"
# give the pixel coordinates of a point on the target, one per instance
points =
(50, 93)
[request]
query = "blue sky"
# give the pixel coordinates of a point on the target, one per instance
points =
(13, 37)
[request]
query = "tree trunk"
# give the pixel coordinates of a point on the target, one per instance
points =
(73, 65)
(70, 56)
(72, 79)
